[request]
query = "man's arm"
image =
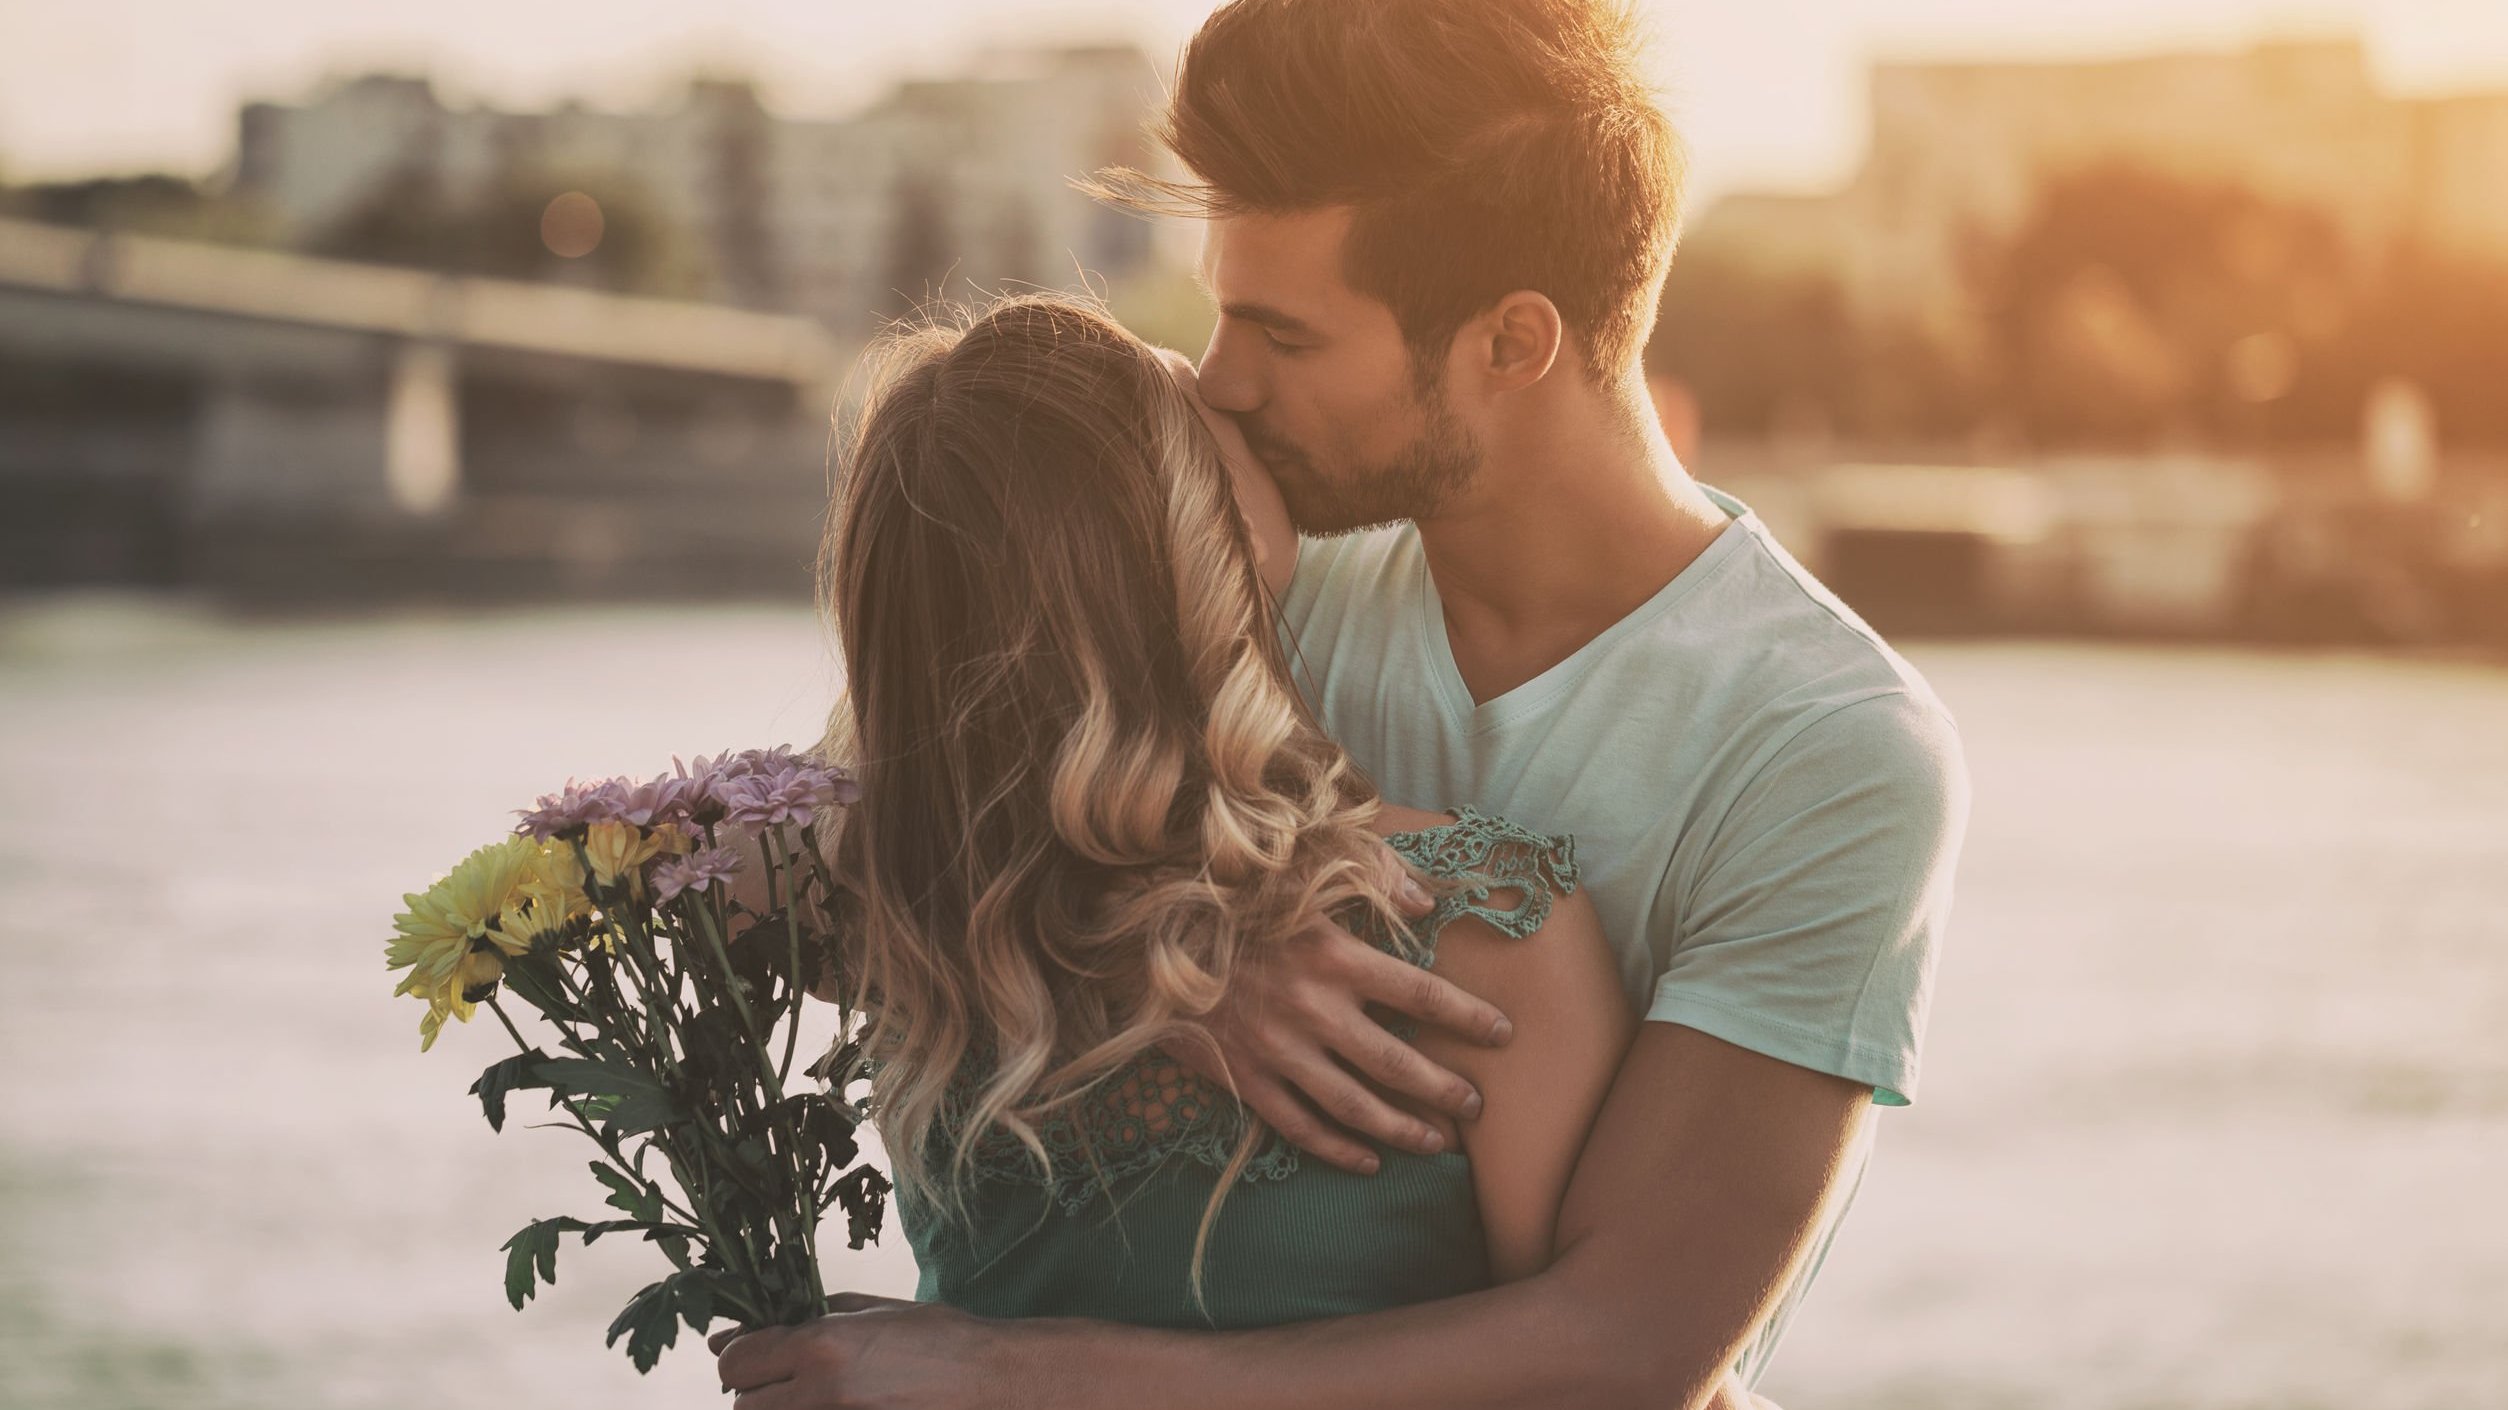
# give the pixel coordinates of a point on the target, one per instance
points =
(1700, 1190)
(1702, 1187)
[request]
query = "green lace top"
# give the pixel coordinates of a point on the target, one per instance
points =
(1107, 1231)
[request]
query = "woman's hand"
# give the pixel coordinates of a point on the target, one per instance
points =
(1297, 1012)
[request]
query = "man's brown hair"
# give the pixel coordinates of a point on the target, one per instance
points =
(1485, 146)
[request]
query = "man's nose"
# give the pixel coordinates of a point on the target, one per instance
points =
(1228, 382)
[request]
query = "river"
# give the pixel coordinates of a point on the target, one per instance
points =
(2215, 1108)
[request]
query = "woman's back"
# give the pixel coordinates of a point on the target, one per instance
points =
(1112, 1233)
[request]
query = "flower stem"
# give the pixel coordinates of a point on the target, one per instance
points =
(791, 1152)
(608, 1144)
(792, 930)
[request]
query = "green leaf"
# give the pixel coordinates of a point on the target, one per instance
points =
(839, 1067)
(717, 1061)
(696, 1304)
(752, 1155)
(759, 959)
(534, 979)
(819, 1122)
(653, 1228)
(533, 1251)
(593, 1079)
(864, 1194)
(635, 1113)
(514, 1074)
(630, 1101)
(675, 1248)
(651, 1319)
(628, 1194)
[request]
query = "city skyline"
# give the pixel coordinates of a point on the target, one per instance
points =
(1769, 96)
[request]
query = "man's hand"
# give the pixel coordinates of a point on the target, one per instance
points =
(869, 1351)
(1294, 1016)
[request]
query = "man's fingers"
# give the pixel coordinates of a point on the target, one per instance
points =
(1300, 1127)
(862, 1302)
(1396, 879)
(1399, 1067)
(1403, 986)
(748, 1360)
(1346, 1099)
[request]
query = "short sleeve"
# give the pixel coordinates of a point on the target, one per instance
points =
(1812, 929)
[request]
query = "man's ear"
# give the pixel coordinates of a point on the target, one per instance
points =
(1522, 336)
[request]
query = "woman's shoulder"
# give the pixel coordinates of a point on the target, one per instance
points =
(1392, 819)
(1523, 934)
(1495, 870)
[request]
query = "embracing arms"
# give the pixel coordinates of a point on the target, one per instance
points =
(1704, 1182)
(1700, 1189)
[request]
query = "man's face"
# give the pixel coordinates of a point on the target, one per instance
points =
(1317, 375)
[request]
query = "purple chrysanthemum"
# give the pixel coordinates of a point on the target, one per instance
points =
(694, 872)
(767, 787)
(768, 800)
(573, 806)
(757, 787)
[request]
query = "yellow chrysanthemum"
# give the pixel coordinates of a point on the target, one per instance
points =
(530, 917)
(469, 975)
(553, 888)
(448, 940)
(618, 849)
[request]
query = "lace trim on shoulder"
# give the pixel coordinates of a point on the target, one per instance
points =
(1155, 1109)
(1484, 855)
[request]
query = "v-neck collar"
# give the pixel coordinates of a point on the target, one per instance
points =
(1531, 696)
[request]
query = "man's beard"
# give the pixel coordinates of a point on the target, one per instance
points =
(1415, 484)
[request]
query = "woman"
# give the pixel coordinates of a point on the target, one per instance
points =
(1091, 792)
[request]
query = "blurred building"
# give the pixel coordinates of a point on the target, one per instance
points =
(958, 182)
(1958, 152)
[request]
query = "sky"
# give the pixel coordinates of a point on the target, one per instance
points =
(1768, 93)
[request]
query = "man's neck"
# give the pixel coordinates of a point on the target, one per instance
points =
(1573, 523)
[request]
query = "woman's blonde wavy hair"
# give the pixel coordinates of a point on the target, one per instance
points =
(1090, 790)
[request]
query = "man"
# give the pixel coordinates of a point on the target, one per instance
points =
(1438, 232)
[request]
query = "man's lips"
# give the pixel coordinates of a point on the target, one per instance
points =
(1273, 454)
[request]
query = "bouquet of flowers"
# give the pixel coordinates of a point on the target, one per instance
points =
(615, 913)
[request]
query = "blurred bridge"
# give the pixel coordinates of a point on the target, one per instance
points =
(269, 424)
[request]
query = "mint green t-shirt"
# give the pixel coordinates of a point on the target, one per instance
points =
(1767, 800)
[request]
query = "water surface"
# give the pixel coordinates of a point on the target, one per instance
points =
(2215, 1105)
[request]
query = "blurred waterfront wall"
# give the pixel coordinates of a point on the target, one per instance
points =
(2187, 546)
(269, 426)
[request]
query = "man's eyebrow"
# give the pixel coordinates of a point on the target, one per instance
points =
(1267, 316)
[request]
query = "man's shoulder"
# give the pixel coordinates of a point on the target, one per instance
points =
(1828, 726)
(1766, 646)
(1759, 683)
(1807, 630)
